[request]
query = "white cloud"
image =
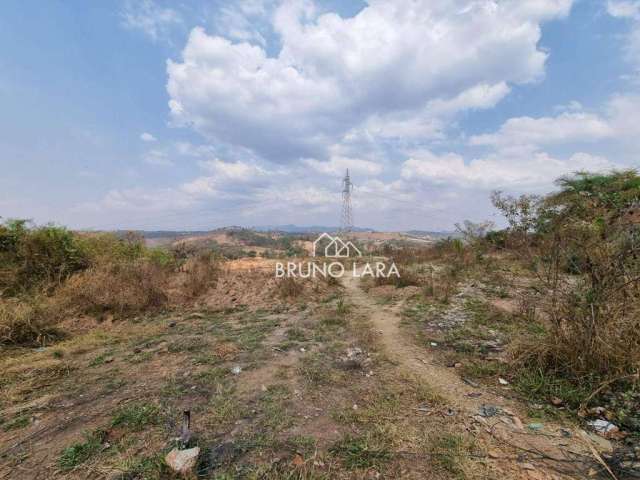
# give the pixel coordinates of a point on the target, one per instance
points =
(562, 129)
(623, 8)
(150, 18)
(157, 157)
(332, 74)
(337, 165)
(630, 10)
(233, 170)
(147, 137)
(537, 170)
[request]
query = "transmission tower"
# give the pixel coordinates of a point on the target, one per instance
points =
(346, 222)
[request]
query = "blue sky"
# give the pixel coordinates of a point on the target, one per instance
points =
(200, 114)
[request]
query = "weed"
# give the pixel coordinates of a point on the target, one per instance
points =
(449, 453)
(296, 334)
(360, 452)
(147, 468)
(136, 416)
(79, 453)
(16, 423)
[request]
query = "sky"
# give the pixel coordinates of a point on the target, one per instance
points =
(153, 114)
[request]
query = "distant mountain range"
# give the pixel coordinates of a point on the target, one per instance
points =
(290, 228)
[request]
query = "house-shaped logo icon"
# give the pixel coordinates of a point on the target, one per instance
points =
(334, 247)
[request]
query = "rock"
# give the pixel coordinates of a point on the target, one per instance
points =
(236, 370)
(517, 423)
(171, 324)
(535, 426)
(488, 411)
(297, 461)
(354, 359)
(556, 402)
(182, 461)
(457, 365)
(602, 444)
(528, 466)
(493, 454)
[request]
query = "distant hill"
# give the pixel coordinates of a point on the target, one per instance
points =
(298, 229)
(432, 234)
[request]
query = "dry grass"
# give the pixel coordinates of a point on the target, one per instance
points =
(288, 288)
(118, 288)
(202, 272)
(28, 323)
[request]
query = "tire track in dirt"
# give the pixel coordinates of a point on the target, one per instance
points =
(557, 456)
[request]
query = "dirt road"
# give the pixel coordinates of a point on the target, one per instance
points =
(554, 451)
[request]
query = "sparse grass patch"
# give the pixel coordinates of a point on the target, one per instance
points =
(361, 452)
(316, 369)
(80, 452)
(296, 334)
(16, 423)
(272, 405)
(136, 416)
(146, 468)
(188, 344)
(449, 453)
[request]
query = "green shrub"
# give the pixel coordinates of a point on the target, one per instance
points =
(36, 257)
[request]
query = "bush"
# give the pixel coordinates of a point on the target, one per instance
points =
(288, 287)
(202, 272)
(585, 246)
(36, 257)
(30, 323)
(119, 288)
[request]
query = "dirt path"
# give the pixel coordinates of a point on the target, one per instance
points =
(555, 451)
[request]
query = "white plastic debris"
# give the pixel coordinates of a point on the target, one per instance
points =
(236, 370)
(602, 426)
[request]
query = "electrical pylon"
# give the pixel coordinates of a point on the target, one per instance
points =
(346, 221)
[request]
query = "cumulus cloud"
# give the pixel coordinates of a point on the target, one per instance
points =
(497, 170)
(564, 128)
(333, 74)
